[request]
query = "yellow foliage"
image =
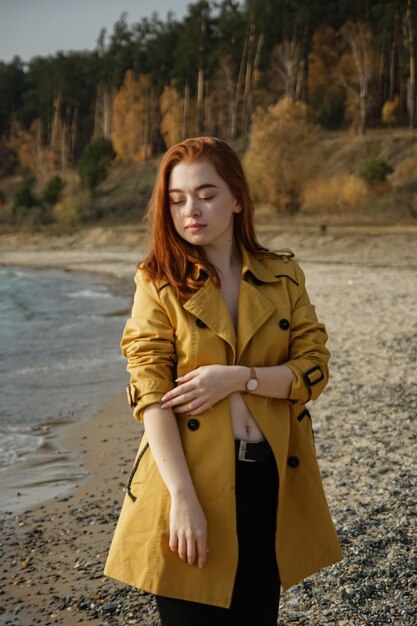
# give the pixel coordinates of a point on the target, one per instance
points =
(390, 111)
(30, 149)
(131, 115)
(324, 90)
(67, 212)
(405, 172)
(282, 153)
(171, 107)
(334, 193)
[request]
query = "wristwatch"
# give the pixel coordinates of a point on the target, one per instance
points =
(253, 382)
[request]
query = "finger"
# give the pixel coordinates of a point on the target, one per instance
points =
(190, 407)
(182, 548)
(202, 550)
(178, 391)
(191, 550)
(173, 542)
(199, 410)
(182, 399)
(188, 376)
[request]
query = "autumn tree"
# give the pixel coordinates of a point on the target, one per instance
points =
(282, 154)
(325, 93)
(286, 69)
(30, 148)
(171, 106)
(134, 118)
(356, 69)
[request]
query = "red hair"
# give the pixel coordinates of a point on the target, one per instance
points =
(171, 257)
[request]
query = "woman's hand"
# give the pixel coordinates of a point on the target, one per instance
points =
(188, 530)
(203, 387)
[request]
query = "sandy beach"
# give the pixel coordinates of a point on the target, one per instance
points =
(364, 285)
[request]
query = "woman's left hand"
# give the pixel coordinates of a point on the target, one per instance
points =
(203, 387)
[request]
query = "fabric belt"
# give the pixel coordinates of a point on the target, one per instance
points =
(252, 451)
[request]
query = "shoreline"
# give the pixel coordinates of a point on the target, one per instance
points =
(53, 553)
(54, 468)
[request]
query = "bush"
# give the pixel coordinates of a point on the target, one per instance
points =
(24, 196)
(376, 171)
(8, 160)
(334, 194)
(69, 210)
(51, 193)
(95, 161)
(27, 208)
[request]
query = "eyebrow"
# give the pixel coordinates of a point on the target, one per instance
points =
(199, 188)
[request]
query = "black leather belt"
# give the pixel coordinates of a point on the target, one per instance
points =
(251, 451)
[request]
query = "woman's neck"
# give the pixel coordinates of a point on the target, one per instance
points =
(225, 259)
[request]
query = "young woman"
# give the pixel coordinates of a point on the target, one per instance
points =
(224, 503)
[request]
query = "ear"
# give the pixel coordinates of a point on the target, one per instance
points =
(237, 208)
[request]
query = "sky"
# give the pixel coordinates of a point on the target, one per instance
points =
(41, 27)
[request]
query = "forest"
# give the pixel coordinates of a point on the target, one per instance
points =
(328, 65)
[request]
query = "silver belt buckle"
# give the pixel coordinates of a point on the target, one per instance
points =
(242, 452)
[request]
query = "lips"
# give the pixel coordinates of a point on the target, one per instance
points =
(194, 226)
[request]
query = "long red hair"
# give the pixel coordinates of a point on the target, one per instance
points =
(172, 258)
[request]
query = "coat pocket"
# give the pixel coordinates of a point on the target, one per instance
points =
(305, 421)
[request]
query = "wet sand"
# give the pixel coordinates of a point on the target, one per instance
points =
(364, 287)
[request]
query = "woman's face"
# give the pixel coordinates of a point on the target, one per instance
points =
(201, 204)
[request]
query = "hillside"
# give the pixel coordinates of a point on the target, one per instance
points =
(337, 195)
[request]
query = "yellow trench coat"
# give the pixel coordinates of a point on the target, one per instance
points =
(164, 339)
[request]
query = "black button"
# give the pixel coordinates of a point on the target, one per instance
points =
(284, 324)
(293, 461)
(193, 424)
(200, 323)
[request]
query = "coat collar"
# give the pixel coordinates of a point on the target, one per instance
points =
(254, 307)
(252, 265)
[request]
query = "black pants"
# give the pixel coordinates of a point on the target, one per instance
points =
(256, 591)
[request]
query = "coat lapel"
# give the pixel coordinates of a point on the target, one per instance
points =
(208, 305)
(254, 310)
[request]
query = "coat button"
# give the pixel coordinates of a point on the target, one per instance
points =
(284, 324)
(200, 323)
(193, 424)
(293, 461)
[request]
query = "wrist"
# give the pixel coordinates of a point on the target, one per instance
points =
(183, 493)
(242, 374)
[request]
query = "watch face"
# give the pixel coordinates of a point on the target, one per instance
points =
(252, 384)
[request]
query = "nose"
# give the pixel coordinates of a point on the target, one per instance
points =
(192, 207)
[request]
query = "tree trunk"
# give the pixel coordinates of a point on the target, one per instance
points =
(247, 96)
(200, 80)
(241, 74)
(185, 111)
(411, 100)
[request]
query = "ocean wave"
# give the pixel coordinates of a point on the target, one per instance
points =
(16, 444)
(89, 293)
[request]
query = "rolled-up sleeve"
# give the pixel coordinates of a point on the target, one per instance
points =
(148, 344)
(308, 355)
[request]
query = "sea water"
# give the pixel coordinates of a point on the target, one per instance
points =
(59, 352)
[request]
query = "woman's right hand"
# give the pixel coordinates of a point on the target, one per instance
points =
(188, 529)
